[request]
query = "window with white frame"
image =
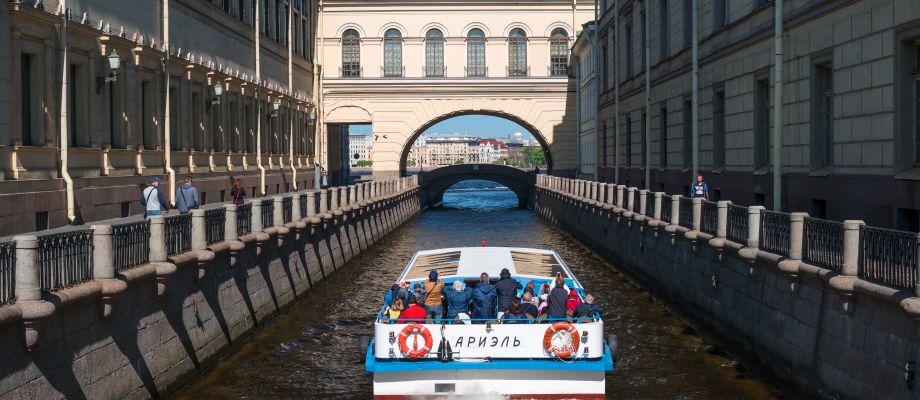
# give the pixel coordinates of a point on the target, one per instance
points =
(559, 52)
(517, 52)
(351, 54)
(434, 53)
(475, 53)
(392, 53)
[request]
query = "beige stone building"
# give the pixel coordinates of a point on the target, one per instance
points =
(101, 95)
(849, 127)
(405, 66)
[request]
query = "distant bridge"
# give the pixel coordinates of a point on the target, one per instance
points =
(437, 181)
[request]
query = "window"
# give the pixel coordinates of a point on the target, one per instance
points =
(822, 127)
(559, 52)
(392, 54)
(216, 128)
(719, 14)
(688, 132)
(629, 49)
(30, 100)
(605, 65)
(351, 54)
(115, 100)
(475, 53)
(76, 108)
(174, 133)
(644, 36)
(663, 29)
(688, 23)
(249, 139)
(197, 134)
(434, 53)
(628, 141)
(718, 129)
(643, 124)
(148, 131)
(663, 137)
(761, 123)
(517, 53)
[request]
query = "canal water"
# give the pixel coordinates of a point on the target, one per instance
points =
(312, 350)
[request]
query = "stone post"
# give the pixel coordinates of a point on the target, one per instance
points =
(157, 239)
(103, 252)
(255, 224)
(657, 212)
(199, 239)
(851, 247)
(796, 234)
(675, 210)
(334, 199)
(643, 195)
(323, 201)
(28, 271)
(374, 185)
(295, 207)
(620, 189)
(594, 191)
(722, 218)
(754, 226)
(230, 232)
(343, 199)
(311, 204)
(630, 199)
(611, 188)
(697, 212)
(278, 211)
(353, 194)
(601, 192)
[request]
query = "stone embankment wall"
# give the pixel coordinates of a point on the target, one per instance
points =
(833, 332)
(147, 330)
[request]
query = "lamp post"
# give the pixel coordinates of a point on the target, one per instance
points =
(114, 63)
(218, 90)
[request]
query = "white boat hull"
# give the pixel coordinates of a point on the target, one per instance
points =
(490, 384)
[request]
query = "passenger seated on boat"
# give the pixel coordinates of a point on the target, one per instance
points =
(529, 288)
(514, 315)
(588, 309)
(393, 311)
(556, 302)
(413, 313)
(507, 289)
(528, 305)
(434, 297)
(572, 303)
(458, 300)
(417, 292)
(484, 299)
(395, 292)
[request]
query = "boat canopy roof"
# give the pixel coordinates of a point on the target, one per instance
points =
(470, 262)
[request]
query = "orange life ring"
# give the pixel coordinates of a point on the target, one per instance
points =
(566, 349)
(416, 352)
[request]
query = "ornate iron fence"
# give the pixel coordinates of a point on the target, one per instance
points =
(131, 244)
(243, 219)
(709, 217)
(303, 206)
(686, 213)
(774, 232)
(650, 205)
(823, 245)
(178, 234)
(666, 208)
(737, 229)
(7, 272)
(268, 211)
(215, 224)
(65, 259)
(888, 256)
(287, 209)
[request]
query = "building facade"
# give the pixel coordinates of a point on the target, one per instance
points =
(849, 120)
(584, 59)
(359, 148)
(103, 95)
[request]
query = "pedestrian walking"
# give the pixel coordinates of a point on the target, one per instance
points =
(187, 197)
(699, 189)
(238, 193)
(324, 181)
(152, 198)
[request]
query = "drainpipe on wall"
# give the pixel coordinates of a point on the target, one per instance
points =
(167, 146)
(259, 106)
(778, 106)
(648, 98)
(695, 98)
(291, 91)
(65, 120)
(616, 92)
(319, 125)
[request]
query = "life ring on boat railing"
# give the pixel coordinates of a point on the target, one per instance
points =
(415, 352)
(561, 339)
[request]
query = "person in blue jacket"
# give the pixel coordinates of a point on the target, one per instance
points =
(458, 300)
(187, 197)
(507, 289)
(152, 199)
(699, 189)
(484, 298)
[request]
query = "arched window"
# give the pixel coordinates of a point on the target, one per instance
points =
(434, 53)
(351, 54)
(475, 53)
(559, 52)
(392, 53)
(517, 52)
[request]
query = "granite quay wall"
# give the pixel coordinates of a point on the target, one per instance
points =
(136, 309)
(832, 306)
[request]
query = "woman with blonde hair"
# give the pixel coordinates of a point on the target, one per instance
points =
(397, 308)
(238, 193)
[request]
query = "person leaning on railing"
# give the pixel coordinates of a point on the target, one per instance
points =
(588, 309)
(152, 198)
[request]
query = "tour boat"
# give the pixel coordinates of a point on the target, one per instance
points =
(533, 358)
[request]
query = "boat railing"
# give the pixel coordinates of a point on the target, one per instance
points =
(516, 321)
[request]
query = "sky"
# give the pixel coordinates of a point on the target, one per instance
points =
(484, 126)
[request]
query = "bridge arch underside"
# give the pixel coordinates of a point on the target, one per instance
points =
(439, 180)
(539, 136)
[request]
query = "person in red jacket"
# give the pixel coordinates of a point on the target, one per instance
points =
(413, 313)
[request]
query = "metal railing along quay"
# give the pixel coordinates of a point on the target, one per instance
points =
(65, 259)
(131, 244)
(888, 256)
(774, 232)
(244, 219)
(178, 233)
(823, 243)
(7, 276)
(268, 211)
(214, 224)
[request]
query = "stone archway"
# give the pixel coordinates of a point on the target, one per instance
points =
(437, 181)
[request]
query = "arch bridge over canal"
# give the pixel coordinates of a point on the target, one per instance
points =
(437, 181)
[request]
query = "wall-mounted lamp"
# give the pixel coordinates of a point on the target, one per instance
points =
(218, 92)
(276, 106)
(312, 117)
(114, 63)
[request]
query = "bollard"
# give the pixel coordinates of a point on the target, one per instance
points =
(311, 204)
(722, 219)
(601, 192)
(343, 200)
(103, 252)
(656, 213)
(697, 212)
(157, 239)
(374, 189)
(754, 226)
(230, 232)
(851, 230)
(295, 207)
(620, 189)
(353, 195)
(28, 270)
(199, 239)
(630, 200)
(323, 201)
(278, 211)
(796, 234)
(675, 210)
(643, 195)
(611, 188)
(256, 218)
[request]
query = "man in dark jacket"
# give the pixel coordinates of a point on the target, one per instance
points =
(588, 309)
(458, 300)
(507, 289)
(556, 302)
(484, 298)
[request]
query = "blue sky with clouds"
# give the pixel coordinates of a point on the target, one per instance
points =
(485, 126)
